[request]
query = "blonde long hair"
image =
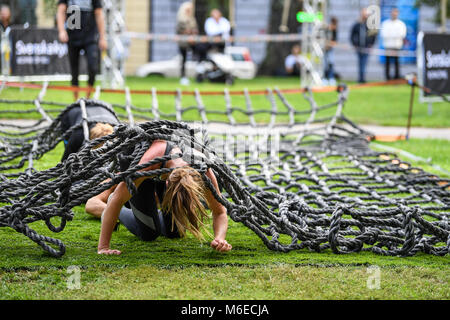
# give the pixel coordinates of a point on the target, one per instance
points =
(181, 14)
(100, 130)
(184, 198)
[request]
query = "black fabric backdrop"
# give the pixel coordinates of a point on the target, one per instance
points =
(38, 52)
(437, 62)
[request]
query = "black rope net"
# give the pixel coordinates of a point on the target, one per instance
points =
(314, 184)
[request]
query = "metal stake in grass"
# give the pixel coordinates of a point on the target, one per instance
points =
(411, 105)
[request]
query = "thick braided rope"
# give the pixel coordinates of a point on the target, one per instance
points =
(384, 227)
(333, 193)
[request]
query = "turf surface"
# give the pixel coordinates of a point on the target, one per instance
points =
(386, 106)
(249, 271)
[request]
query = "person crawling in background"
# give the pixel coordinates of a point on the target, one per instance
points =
(101, 120)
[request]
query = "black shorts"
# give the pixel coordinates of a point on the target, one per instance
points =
(142, 217)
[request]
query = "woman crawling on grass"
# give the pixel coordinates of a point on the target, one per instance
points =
(180, 194)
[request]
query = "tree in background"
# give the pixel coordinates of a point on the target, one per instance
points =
(50, 8)
(28, 12)
(437, 5)
(203, 9)
(278, 51)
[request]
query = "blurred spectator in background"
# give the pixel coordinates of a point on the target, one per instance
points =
(217, 26)
(186, 25)
(393, 34)
(293, 62)
(100, 120)
(5, 17)
(89, 36)
(362, 39)
(5, 23)
(329, 52)
(28, 12)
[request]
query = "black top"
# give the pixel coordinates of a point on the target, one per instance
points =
(2, 27)
(331, 36)
(361, 37)
(73, 117)
(88, 32)
(140, 200)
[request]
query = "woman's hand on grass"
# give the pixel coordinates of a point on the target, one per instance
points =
(108, 251)
(221, 245)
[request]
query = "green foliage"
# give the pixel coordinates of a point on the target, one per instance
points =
(50, 7)
(437, 5)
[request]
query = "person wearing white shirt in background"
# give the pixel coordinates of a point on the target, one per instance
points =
(294, 61)
(393, 34)
(217, 26)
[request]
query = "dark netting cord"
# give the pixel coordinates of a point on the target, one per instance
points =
(323, 189)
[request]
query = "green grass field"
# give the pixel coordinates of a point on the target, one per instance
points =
(387, 106)
(188, 269)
